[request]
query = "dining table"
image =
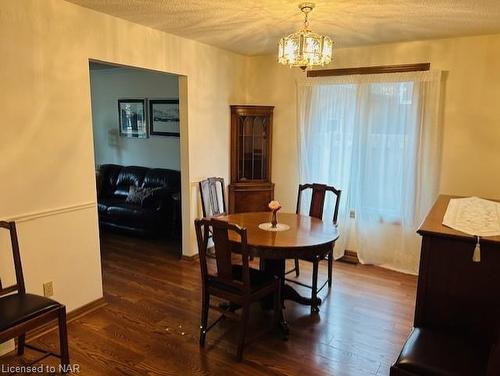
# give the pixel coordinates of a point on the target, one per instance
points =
(295, 236)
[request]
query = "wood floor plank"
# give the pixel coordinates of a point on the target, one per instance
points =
(151, 321)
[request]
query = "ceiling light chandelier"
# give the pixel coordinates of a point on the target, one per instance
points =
(305, 48)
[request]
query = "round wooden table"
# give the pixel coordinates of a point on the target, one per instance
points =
(306, 237)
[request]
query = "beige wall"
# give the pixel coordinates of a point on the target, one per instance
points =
(47, 162)
(471, 147)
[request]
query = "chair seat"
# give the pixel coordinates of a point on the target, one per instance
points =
(17, 308)
(258, 280)
(430, 352)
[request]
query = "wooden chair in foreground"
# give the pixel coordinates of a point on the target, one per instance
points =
(240, 285)
(316, 207)
(21, 312)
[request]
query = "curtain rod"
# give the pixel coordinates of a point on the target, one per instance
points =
(379, 69)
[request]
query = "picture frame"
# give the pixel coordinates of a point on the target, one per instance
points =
(164, 117)
(132, 120)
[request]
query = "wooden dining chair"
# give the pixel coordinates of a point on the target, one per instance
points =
(316, 207)
(239, 284)
(213, 204)
(213, 201)
(21, 312)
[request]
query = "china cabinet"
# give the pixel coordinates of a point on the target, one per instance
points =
(251, 188)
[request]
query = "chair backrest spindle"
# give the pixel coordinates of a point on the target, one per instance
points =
(19, 286)
(318, 197)
(222, 252)
(213, 202)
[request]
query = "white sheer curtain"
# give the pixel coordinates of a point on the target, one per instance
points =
(377, 138)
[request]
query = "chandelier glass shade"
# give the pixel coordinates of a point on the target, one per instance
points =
(305, 48)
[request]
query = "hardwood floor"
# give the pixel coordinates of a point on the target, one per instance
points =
(150, 325)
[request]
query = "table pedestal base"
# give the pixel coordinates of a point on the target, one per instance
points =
(289, 293)
(277, 267)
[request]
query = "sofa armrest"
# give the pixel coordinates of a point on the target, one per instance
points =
(99, 183)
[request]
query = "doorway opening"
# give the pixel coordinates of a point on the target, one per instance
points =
(137, 149)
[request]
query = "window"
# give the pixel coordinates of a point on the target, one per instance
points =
(372, 137)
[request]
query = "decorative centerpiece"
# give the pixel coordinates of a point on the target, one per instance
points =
(274, 206)
(274, 226)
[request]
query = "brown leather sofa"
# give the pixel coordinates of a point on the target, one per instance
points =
(158, 213)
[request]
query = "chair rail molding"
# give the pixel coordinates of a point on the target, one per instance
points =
(50, 212)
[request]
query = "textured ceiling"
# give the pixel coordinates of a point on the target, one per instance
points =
(253, 27)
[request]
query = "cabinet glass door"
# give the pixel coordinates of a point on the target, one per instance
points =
(252, 148)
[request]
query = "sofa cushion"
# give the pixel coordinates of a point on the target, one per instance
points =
(104, 203)
(161, 177)
(130, 211)
(431, 352)
(131, 175)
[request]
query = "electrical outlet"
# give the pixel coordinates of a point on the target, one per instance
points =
(48, 289)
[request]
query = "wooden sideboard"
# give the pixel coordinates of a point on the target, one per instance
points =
(453, 291)
(251, 188)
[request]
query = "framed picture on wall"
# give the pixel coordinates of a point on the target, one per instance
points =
(164, 117)
(132, 118)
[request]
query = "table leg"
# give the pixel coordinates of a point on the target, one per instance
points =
(284, 324)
